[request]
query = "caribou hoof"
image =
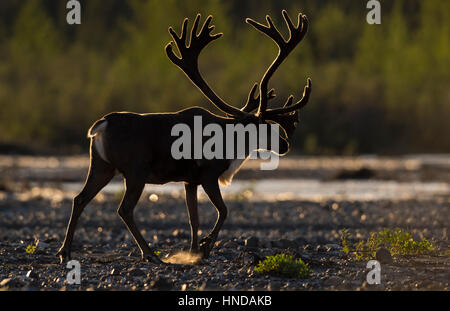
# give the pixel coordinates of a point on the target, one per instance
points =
(153, 258)
(63, 254)
(206, 245)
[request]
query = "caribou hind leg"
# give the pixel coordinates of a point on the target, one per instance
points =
(100, 174)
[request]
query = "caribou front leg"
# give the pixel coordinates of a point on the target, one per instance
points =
(213, 191)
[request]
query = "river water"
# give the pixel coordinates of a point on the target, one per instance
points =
(303, 189)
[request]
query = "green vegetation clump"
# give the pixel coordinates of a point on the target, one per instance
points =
(283, 265)
(397, 241)
(31, 249)
(245, 194)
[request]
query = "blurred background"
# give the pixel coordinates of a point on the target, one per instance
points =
(379, 89)
(372, 151)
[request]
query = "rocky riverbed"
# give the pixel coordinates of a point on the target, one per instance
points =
(31, 215)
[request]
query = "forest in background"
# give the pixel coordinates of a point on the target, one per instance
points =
(376, 88)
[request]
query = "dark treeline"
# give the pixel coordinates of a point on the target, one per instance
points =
(376, 88)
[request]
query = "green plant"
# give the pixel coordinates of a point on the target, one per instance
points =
(397, 241)
(30, 249)
(245, 194)
(344, 241)
(283, 265)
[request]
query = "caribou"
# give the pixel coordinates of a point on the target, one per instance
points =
(138, 146)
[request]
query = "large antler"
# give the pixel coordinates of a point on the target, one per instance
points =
(296, 34)
(188, 62)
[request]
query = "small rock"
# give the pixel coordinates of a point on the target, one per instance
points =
(230, 244)
(383, 256)
(284, 243)
(50, 240)
(179, 233)
(218, 244)
(161, 284)
(105, 278)
(334, 280)
(42, 245)
(239, 241)
(228, 255)
(274, 286)
(251, 258)
(208, 285)
(321, 249)
(333, 246)
(136, 272)
(300, 241)
(31, 274)
(265, 244)
(307, 247)
(252, 242)
(12, 282)
(305, 257)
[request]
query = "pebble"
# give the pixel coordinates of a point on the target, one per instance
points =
(32, 274)
(333, 246)
(136, 272)
(321, 249)
(5, 282)
(230, 244)
(307, 247)
(13, 282)
(252, 242)
(42, 245)
(384, 256)
(284, 243)
(161, 283)
(274, 285)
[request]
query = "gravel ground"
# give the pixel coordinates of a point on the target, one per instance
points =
(35, 210)
(254, 229)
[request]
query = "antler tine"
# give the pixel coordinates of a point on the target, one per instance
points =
(188, 60)
(269, 30)
(194, 28)
(253, 102)
(296, 34)
(288, 107)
